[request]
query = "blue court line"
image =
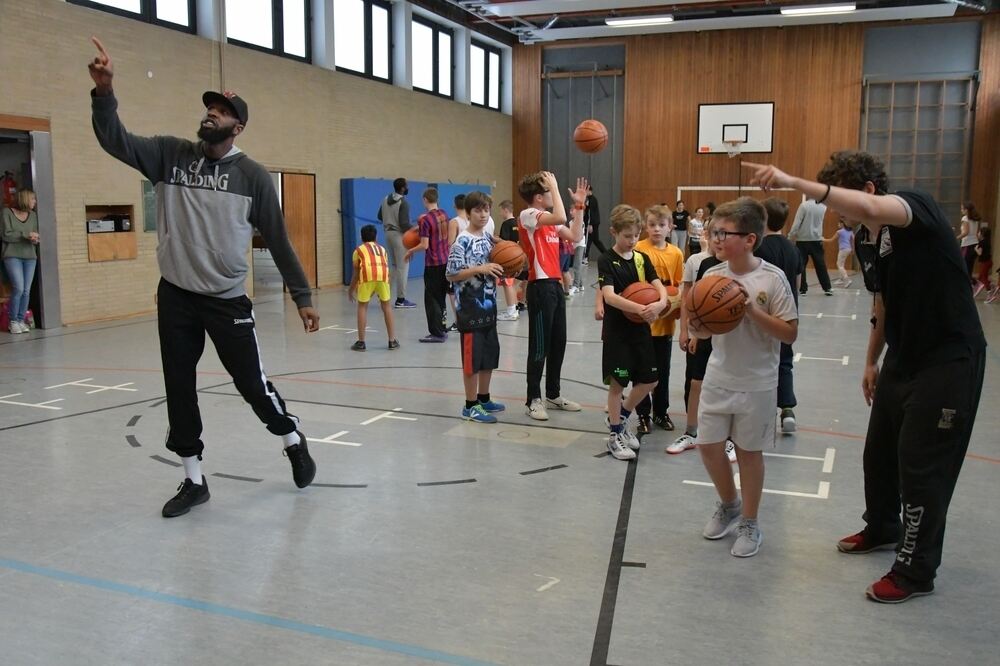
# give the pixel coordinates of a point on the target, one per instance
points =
(246, 616)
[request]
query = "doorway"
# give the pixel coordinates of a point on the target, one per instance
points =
(297, 198)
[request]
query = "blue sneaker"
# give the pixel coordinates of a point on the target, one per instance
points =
(402, 303)
(478, 414)
(492, 406)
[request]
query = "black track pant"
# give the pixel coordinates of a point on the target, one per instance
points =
(435, 293)
(813, 249)
(786, 386)
(594, 238)
(662, 345)
(918, 434)
(184, 318)
(546, 336)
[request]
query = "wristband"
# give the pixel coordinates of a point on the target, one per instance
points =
(578, 206)
(825, 195)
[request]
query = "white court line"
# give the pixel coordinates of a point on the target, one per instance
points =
(332, 439)
(823, 492)
(98, 388)
(552, 581)
(338, 327)
(40, 405)
(789, 455)
(828, 461)
(388, 415)
(820, 315)
(844, 360)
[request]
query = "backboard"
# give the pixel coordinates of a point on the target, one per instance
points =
(751, 123)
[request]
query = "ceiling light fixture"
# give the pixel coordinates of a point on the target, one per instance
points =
(818, 10)
(636, 21)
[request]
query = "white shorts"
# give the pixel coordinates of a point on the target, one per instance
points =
(748, 418)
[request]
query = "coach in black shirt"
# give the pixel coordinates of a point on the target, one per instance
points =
(925, 398)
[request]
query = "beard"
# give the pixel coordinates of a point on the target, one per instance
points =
(214, 134)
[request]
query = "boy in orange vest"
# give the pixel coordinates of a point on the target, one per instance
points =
(371, 277)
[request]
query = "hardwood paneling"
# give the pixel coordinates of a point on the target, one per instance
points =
(112, 246)
(986, 135)
(527, 115)
(24, 123)
(298, 197)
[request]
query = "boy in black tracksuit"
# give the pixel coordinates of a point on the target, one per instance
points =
(925, 398)
(210, 197)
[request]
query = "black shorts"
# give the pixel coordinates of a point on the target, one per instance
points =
(480, 350)
(697, 362)
(565, 262)
(633, 361)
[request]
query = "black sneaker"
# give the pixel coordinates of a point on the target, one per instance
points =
(664, 422)
(303, 466)
(393, 344)
(644, 425)
(360, 346)
(191, 494)
(521, 307)
(453, 328)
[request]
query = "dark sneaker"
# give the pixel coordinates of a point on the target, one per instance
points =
(358, 346)
(895, 588)
(787, 420)
(645, 425)
(861, 543)
(393, 344)
(434, 338)
(521, 307)
(191, 494)
(453, 328)
(828, 292)
(404, 304)
(303, 466)
(664, 422)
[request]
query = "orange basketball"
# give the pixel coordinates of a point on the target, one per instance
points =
(411, 238)
(642, 293)
(509, 255)
(590, 136)
(673, 309)
(716, 304)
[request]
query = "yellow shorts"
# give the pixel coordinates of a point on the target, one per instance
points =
(379, 288)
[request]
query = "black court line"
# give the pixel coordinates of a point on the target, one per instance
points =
(543, 469)
(172, 463)
(606, 618)
(236, 478)
(340, 485)
(71, 416)
(638, 565)
(446, 483)
(132, 421)
(602, 454)
(132, 441)
(157, 403)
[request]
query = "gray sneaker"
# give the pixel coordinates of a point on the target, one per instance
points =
(748, 538)
(723, 520)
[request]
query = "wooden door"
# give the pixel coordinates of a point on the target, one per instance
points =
(298, 199)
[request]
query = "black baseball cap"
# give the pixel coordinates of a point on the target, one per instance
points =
(230, 99)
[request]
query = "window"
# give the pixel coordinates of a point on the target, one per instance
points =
(277, 26)
(361, 37)
(176, 14)
(431, 56)
(484, 70)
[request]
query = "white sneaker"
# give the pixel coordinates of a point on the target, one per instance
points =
(18, 327)
(629, 430)
(508, 316)
(573, 291)
(731, 450)
(723, 520)
(536, 410)
(618, 446)
(563, 404)
(681, 444)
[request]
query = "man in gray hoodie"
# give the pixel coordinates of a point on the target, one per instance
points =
(209, 198)
(394, 213)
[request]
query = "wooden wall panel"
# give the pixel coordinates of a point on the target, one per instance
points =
(986, 135)
(298, 195)
(526, 131)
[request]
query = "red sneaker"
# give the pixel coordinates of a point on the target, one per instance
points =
(858, 544)
(894, 588)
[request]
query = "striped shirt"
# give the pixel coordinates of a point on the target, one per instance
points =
(541, 244)
(434, 227)
(374, 262)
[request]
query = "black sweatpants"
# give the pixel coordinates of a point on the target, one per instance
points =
(918, 435)
(594, 238)
(435, 293)
(184, 318)
(786, 386)
(660, 403)
(813, 249)
(546, 336)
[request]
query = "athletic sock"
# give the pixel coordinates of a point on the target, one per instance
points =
(291, 439)
(483, 398)
(511, 309)
(469, 404)
(625, 413)
(691, 430)
(619, 428)
(731, 505)
(192, 468)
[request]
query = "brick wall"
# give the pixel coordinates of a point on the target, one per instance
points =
(303, 118)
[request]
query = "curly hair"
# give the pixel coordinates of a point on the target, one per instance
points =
(852, 169)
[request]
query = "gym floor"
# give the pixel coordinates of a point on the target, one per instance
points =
(429, 539)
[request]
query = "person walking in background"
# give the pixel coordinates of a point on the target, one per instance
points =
(984, 251)
(591, 224)
(696, 225)
(845, 248)
(968, 235)
(679, 234)
(394, 214)
(20, 254)
(807, 232)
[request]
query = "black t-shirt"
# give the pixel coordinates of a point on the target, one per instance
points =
(777, 250)
(681, 220)
(706, 263)
(866, 251)
(616, 271)
(592, 213)
(930, 316)
(985, 251)
(508, 230)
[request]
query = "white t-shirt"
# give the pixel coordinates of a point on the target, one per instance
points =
(746, 358)
(463, 224)
(695, 228)
(692, 265)
(970, 238)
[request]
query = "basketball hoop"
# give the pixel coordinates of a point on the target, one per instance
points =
(733, 147)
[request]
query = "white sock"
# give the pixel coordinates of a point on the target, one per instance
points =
(511, 309)
(291, 439)
(192, 468)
